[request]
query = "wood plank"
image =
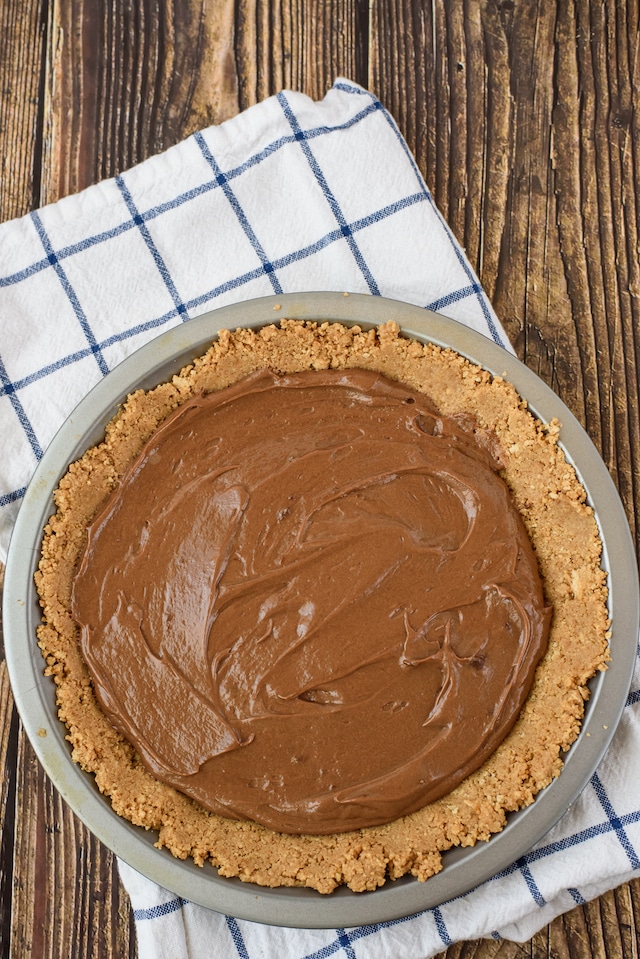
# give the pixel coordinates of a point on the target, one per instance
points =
(8, 738)
(125, 81)
(633, 890)
(27, 931)
(21, 47)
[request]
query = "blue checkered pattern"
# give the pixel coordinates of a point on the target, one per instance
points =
(290, 196)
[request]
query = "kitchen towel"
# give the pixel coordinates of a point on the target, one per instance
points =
(291, 195)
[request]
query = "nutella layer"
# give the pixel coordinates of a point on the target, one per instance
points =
(311, 602)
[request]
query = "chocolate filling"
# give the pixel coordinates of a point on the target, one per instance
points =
(311, 602)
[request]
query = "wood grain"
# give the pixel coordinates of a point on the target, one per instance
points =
(522, 118)
(22, 32)
(125, 80)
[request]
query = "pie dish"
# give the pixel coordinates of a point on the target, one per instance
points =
(463, 868)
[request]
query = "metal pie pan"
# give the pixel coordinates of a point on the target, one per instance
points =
(305, 908)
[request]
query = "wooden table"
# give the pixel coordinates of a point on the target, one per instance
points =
(522, 118)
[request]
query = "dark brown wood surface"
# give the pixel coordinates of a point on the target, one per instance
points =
(522, 116)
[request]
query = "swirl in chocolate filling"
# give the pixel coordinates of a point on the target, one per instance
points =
(311, 602)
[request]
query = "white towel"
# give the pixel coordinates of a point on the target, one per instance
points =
(291, 195)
